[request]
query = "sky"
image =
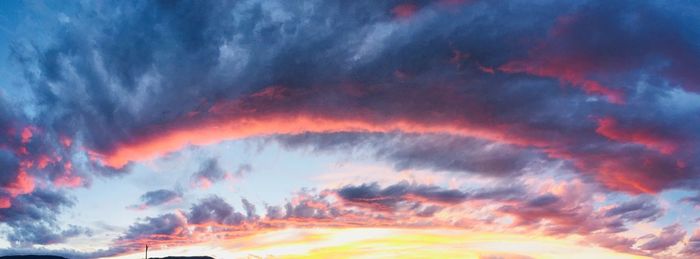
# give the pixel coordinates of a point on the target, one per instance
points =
(350, 129)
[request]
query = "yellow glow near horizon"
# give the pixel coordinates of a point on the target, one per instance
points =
(391, 243)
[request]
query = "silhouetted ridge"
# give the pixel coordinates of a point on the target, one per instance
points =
(35, 257)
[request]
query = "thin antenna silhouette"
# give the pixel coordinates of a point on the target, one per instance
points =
(146, 251)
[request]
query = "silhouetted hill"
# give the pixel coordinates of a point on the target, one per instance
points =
(32, 257)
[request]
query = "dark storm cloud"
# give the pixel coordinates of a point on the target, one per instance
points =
(116, 55)
(125, 72)
(359, 60)
(124, 77)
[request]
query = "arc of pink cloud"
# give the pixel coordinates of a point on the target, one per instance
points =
(275, 111)
(215, 131)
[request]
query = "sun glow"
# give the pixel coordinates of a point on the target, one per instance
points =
(391, 243)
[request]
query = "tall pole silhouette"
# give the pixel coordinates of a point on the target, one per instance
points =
(146, 251)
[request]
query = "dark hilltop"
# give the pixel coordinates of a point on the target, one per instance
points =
(32, 257)
(60, 257)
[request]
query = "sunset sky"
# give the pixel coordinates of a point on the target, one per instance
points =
(350, 129)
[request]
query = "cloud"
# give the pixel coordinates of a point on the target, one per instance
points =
(634, 170)
(668, 237)
(170, 228)
(695, 200)
(500, 193)
(614, 242)
(14, 181)
(425, 151)
(98, 82)
(214, 210)
(599, 47)
(389, 197)
(209, 173)
(609, 127)
(330, 88)
(249, 210)
(559, 209)
(217, 61)
(243, 170)
(570, 210)
(33, 219)
(636, 210)
(157, 198)
(465, 89)
(178, 227)
(44, 234)
(32, 171)
(404, 10)
(309, 208)
(692, 248)
(213, 216)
